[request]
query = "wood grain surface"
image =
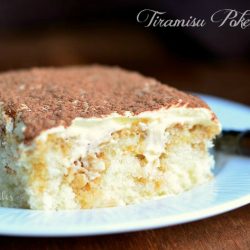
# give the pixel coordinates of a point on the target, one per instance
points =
(225, 78)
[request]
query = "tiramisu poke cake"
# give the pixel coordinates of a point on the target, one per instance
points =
(95, 136)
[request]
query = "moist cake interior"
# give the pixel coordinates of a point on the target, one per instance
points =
(131, 164)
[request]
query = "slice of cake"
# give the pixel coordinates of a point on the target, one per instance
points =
(88, 137)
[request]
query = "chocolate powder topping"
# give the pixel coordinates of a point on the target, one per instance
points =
(47, 97)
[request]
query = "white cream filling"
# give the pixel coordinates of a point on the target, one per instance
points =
(92, 131)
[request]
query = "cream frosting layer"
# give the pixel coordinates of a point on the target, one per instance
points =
(90, 132)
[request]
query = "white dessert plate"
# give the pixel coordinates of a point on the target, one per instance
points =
(229, 189)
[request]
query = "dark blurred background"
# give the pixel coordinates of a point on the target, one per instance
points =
(210, 60)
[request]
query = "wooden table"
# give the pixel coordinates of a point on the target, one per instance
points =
(222, 78)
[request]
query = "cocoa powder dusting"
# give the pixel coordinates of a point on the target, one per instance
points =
(49, 97)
